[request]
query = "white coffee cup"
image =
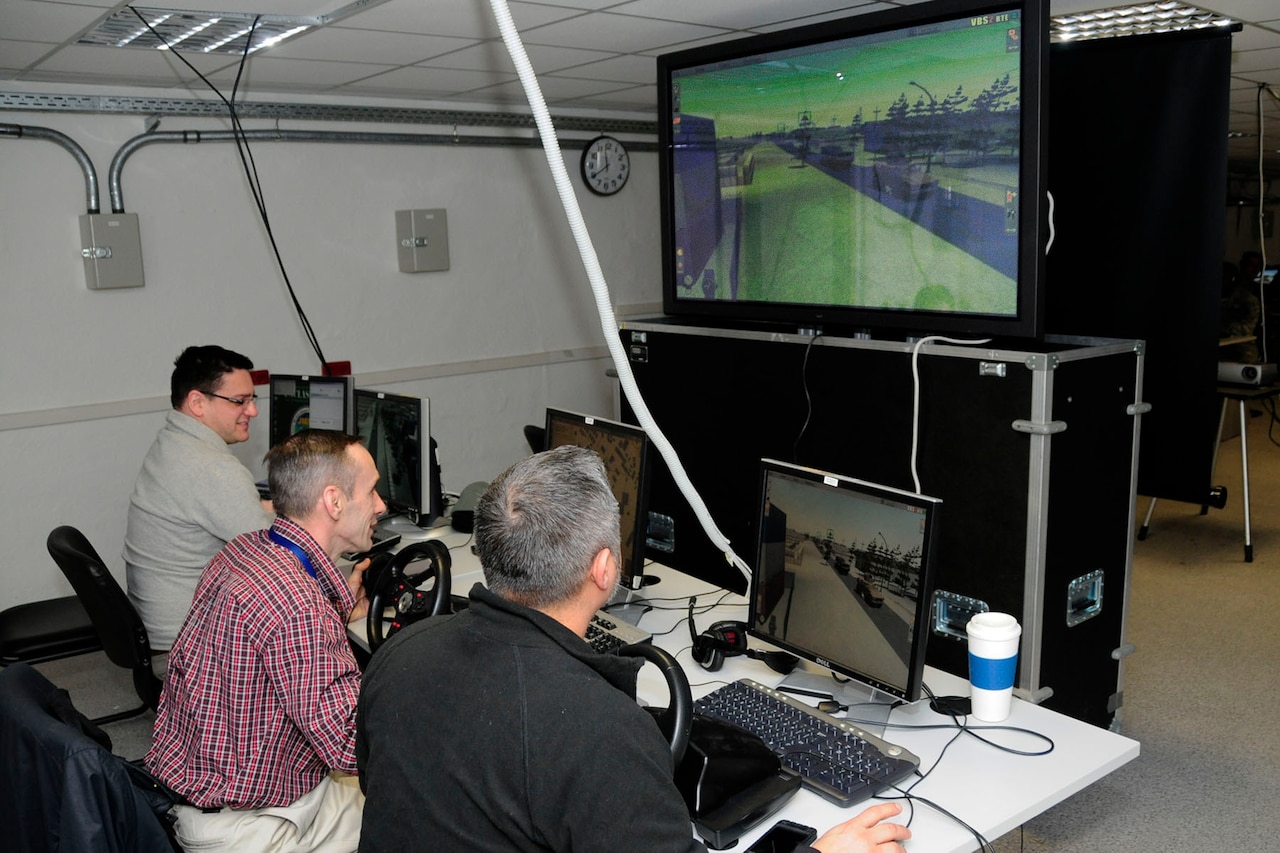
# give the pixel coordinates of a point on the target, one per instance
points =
(993, 660)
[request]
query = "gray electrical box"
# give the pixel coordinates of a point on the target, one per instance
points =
(112, 249)
(422, 240)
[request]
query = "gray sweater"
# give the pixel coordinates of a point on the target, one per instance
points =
(191, 497)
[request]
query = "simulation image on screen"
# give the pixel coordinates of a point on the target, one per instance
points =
(877, 171)
(838, 576)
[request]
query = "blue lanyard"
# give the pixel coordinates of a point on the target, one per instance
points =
(295, 548)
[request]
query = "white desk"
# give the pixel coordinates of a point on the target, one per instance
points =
(992, 791)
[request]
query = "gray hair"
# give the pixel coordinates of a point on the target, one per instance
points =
(302, 466)
(541, 523)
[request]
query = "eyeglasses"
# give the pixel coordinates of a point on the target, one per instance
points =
(238, 401)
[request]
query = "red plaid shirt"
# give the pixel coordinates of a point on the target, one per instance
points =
(259, 701)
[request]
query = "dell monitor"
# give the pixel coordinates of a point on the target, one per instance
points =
(310, 402)
(624, 449)
(396, 429)
(843, 578)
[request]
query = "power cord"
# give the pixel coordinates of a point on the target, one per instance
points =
(915, 396)
(808, 398)
(962, 728)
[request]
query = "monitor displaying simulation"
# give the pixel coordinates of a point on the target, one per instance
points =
(843, 575)
(396, 431)
(624, 449)
(309, 402)
(879, 171)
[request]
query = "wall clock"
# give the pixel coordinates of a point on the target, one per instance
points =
(605, 165)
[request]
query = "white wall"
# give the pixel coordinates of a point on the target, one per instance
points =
(515, 294)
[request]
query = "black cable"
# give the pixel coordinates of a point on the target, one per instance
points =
(983, 844)
(251, 172)
(1269, 403)
(808, 398)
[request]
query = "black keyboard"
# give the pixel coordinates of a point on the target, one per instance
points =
(606, 634)
(834, 758)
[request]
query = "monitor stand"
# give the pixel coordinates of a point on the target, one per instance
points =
(410, 532)
(627, 605)
(867, 706)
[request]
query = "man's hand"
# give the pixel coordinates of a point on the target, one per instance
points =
(355, 582)
(865, 833)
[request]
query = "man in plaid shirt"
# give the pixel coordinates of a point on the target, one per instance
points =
(259, 706)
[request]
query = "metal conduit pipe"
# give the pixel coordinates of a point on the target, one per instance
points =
(193, 136)
(23, 131)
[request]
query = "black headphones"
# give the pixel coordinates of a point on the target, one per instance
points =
(729, 639)
(394, 587)
(722, 640)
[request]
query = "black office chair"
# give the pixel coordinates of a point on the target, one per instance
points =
(40, 631)
(123, 636)
(536, 436)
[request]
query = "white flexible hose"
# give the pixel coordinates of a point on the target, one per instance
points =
(915, 397)
(604, 304)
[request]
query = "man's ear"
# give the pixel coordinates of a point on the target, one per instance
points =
(603, 572)
(333, 499)
(193, 404)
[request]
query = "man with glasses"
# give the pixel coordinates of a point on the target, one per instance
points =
(192, 495)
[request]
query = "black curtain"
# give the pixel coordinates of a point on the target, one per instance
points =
(1137, 167)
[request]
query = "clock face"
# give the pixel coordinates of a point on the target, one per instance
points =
(605, 165)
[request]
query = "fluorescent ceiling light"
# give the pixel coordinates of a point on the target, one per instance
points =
(208, 32)
(1137, 19)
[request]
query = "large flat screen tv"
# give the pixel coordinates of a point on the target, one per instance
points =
(880, 172)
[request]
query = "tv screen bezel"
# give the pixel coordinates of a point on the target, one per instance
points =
(1033, 209)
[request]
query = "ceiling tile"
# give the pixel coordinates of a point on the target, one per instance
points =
(624, 69)
(264, 72)
(16, 55)
(52, 22)
(1245, 61)
(363, 45)
(822, 19)
(738, 14)
(617, 33)
(417, 81)
(468, 20)
(493, 54)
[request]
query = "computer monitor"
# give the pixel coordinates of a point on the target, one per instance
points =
(624, 449)
(843, 578)
(396, 429)
(310, 402)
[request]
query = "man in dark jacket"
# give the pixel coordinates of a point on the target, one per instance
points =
(500, 728)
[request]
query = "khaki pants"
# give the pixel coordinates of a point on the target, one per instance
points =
(327, 819)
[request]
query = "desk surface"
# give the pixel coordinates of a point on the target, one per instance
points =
(990, 790)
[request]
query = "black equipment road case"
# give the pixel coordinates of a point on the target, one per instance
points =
(1031, 445)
